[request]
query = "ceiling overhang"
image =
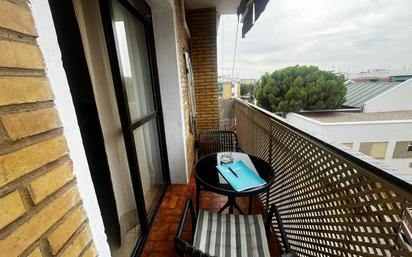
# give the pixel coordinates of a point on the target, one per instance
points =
(222, 6)
(249, 10)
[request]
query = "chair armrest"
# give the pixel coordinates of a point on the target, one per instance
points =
(274, 210)
(185, 249)
(182, 247)
(188, 207)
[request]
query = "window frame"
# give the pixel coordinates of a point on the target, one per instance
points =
(402, 150)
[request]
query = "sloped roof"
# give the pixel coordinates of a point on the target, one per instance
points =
(358, 93)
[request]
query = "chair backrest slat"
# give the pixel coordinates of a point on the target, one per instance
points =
(217, 141)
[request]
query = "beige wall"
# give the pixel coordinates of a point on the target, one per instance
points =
(183, 44)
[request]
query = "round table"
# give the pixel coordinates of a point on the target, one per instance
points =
(207, 179)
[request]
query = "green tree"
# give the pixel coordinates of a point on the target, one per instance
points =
(298, 88)
(247, 92)
(247, 89)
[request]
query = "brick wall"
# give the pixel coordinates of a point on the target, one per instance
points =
(202, 26)
(41, 213)
(183, 44)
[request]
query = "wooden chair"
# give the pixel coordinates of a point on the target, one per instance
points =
(227, 235)
(216, 141)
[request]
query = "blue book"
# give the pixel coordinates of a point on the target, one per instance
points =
(240, 176)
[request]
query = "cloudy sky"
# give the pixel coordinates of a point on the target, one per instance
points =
(341, 35)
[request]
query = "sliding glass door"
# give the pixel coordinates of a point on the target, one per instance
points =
(135, 69)
(129, 39)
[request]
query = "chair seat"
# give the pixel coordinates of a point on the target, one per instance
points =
(227, 235)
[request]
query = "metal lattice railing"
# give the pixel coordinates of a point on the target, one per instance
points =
(226, 114)
(331, 202)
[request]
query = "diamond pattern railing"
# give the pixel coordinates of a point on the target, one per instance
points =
(226, 114)
(331, 202)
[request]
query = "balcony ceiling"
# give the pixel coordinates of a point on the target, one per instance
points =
(222, 6)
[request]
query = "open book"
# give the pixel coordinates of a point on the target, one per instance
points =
(240, 176)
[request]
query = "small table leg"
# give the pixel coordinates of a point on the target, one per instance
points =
(197, 197)
(231, 203)
(224, 207)
(250, 204)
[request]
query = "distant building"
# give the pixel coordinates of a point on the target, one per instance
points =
(228, 89)
(224, 90)
(400, 78)
(248, 81)
(380, 75)
(386, 135)
(359, 93)
(379, 96)
(376, 120)
(227, 78)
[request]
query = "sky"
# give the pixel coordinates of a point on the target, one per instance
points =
(340, 35)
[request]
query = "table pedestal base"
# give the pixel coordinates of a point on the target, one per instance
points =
(231, 202)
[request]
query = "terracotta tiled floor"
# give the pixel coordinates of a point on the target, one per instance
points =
(160, 242)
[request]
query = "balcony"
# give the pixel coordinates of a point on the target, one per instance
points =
(333, 202)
